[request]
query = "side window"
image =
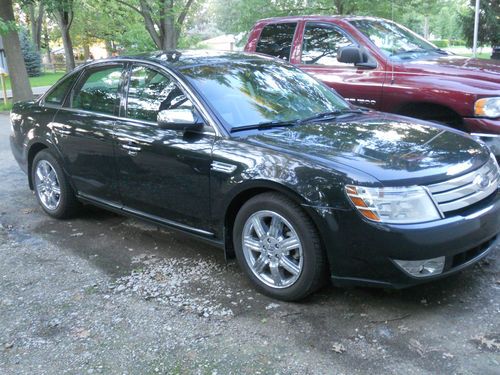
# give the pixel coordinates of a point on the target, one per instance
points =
(149, 92)
(98, 91)
(276, 40)
(321, 43)
(56, 96)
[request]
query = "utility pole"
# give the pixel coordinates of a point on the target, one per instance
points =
(476, 29)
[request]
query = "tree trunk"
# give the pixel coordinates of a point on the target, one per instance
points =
(68, 48)
(169, 37)
(86, 52)
(109, 48)
(21, 89)
(426, 27)
(46, 41)
(36, 21)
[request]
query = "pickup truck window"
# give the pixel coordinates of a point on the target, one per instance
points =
(321, 43)
(276, 40)
(393, 40)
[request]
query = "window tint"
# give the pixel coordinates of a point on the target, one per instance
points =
(276, 40)
(99, 90)
(56, 96)
(149, 92)
(321, 43)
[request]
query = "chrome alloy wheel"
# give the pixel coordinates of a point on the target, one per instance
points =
(272, 249)
(47, 185)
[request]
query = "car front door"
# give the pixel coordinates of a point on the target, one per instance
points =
(83, 131)
(359, 85)
(163, 174)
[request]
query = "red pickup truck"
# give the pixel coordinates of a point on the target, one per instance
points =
(379, 64)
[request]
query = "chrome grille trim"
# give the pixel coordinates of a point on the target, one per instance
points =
(462, 191)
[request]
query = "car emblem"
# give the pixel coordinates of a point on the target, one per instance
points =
(481, 181)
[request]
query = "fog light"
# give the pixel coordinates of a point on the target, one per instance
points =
(422, 268)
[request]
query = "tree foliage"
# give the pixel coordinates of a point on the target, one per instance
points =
(163, 19)
(489, 23)
(31, 56)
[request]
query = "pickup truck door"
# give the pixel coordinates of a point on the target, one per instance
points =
(317, 55)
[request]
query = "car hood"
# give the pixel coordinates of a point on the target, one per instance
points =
(393, 149)
(463, 67)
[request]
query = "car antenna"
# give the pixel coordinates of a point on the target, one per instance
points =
(392, 63)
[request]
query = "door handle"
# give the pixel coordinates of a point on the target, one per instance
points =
(62, 131)
(132, 150)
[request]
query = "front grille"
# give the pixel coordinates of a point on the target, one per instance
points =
(468, 189)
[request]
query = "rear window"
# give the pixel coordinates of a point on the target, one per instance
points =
(276, 40)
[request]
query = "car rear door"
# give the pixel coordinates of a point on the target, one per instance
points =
(83, 132)
(163, 174)
(317, 55)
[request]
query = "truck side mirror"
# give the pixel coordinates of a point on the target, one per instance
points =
(351, 55)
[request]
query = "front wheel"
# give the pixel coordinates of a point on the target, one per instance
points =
(278, 247)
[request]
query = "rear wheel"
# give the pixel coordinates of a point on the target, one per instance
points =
(278, 247)
(52, 189)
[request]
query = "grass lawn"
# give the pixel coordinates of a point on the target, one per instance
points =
(46, 79)
(4, 107)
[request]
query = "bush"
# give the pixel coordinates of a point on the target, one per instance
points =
(31, 56)
(441, 43)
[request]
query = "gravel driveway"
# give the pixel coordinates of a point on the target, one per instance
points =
(106, 294)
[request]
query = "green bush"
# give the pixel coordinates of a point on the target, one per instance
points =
(441, 43)
(31, 56)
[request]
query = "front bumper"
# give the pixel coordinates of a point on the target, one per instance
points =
(363, 253)
(488, 130)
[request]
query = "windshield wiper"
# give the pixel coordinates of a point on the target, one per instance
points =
(331, 114)
(265, 125)
(277, 124)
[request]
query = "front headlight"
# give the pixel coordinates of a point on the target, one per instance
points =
(487, 107)
(401, 205)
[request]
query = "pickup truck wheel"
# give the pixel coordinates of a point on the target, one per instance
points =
(278, 247)
(52, 189)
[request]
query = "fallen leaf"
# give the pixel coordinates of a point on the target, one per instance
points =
(338, 348)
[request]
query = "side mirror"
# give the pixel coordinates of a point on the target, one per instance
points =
(179, 119)
(352, 55)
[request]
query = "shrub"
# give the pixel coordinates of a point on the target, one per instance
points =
(441, 43)
(31, 56)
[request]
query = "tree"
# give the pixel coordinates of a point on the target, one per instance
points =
(36, 14)
(62, 11)
(163, 19)
(21, 89)
(489, 23)
(31, 56)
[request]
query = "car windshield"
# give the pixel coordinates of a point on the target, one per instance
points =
(395, 41)
(252, 92)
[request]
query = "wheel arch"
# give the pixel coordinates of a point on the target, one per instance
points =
(34, 149)
(437, 112)
(259, 187)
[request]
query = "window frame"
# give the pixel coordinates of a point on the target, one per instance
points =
(292, 43)
(84, 74)
(73, 75)
(208, 127)
(327, 25)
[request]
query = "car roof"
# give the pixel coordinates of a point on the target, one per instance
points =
(181, 59)
(316, 18)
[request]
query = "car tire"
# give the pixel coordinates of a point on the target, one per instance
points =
(51, 186)
(278, 247)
